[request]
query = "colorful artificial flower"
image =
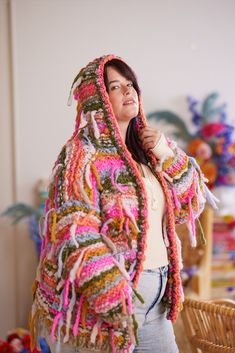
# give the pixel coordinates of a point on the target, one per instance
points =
(17, 345)
(204, 151)
(231, 149)
(212, 130)
(18, 341)
(21, 211)
(5, 347)
(209, 169)
(212, 144)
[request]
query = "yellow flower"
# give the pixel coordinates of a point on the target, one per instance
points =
(231, 148)
(210, 171)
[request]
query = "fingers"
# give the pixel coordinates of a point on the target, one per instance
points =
(149, 137)
(147, 142)
(149, 131)
(149, 145)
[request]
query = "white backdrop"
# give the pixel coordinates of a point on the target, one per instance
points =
(176, 48)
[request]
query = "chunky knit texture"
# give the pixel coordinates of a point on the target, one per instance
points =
(95, 226)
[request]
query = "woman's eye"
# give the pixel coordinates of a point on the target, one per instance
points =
(114, 87)
(130, 84)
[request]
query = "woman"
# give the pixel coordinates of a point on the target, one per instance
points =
(110, 259)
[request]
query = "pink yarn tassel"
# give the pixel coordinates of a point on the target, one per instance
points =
(112, 341)
(192, 223)
(127, 226)
(75, 327)
(129, 303)
(43, 245)
(132, 275)
(191, 218)
(66, 293)
(55, 323)
(113, 180)
(176, 201)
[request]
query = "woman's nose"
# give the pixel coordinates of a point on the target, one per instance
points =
(126, 90)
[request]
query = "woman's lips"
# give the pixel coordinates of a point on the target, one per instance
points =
(129, 101)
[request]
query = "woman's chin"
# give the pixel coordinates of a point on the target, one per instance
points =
(131, 114)
(127, 117)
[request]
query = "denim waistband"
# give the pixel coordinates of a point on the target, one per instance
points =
(162, 270)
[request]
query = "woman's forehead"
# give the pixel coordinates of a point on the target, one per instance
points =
(114, 75)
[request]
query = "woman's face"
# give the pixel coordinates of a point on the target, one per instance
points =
(122, 95)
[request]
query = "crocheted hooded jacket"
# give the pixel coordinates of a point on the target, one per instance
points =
(95, 225)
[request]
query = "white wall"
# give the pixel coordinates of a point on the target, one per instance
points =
(176, 47)
(7, 190)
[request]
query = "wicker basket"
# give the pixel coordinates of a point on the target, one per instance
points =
(210, 326)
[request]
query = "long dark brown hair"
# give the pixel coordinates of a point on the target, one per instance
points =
(132, 141)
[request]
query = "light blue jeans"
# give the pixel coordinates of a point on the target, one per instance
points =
(155, 332)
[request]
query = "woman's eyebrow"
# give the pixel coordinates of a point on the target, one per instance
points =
(113, 81)
(118, 81)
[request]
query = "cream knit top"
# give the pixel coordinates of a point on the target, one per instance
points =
(156, 252)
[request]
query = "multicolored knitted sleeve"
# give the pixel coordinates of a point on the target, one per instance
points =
(78, 265)
(187, 185)
(86, 262)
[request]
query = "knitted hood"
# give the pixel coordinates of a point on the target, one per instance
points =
(89, 90)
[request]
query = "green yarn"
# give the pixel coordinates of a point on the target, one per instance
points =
(135, 324)
(201, 232)
(107, 184)
(138, 295)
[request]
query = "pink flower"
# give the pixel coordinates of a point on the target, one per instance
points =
(230, 178)
(17, 345)
(26, 341)
(204, 151)
(5, 347)
(212, 129)
(231, 162)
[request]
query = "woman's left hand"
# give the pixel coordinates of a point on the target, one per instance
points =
(149, 137)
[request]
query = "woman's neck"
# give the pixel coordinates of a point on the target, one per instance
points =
(123, 125)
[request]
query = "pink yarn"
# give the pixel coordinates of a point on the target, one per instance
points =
(113, 212)
(129, 302)
(112, 341)
(112, 178)
(75, 327)
(66, 293)
(49, 293)
(43, 244)
(176, 167)
(127, 229)
(55, 323)
(84, 229)
(192, 222)
(94, 187)
(133, 275)
(79, 229)
(94, 267)
(56, 189)
(176, 201)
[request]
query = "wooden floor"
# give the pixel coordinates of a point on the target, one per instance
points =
(181, 339)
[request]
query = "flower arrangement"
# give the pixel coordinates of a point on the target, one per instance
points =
(21, 211)
(212, 144)
(18, 341)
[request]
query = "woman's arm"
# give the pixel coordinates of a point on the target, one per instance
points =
(82, 253)
(185, 179)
